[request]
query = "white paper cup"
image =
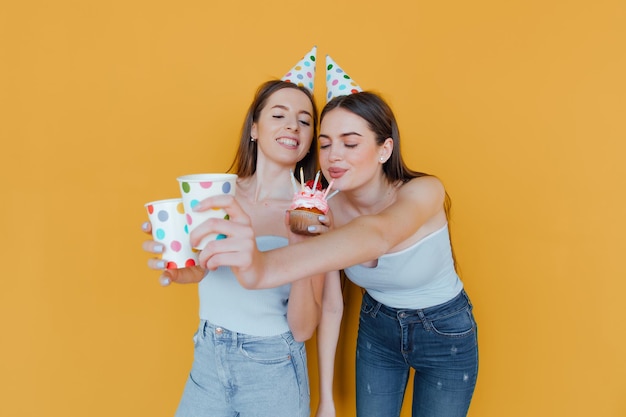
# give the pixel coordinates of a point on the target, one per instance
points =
(195, 188)
(169, 227)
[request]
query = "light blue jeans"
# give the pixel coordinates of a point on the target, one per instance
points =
(239, 375)
(439, 343)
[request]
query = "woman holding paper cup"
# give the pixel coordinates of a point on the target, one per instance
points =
(250, 357)
(392, 239)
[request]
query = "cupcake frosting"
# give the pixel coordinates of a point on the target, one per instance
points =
(309, 199)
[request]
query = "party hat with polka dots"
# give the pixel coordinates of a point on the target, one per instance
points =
(303, 73)
(338, 83)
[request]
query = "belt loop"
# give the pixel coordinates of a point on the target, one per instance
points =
(202, 329)
(376, 309)
(423, 319)
(469, 302)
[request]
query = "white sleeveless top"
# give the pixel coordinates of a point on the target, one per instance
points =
(417, 277)
(225, 303)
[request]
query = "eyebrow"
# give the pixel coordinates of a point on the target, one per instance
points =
(343, 135)
(280, 106)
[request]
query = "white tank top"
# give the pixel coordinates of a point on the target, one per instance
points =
(419, 276)
(227, 304)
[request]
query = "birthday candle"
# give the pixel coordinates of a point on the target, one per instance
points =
(329, 187)
(334, 193)
(317, 177)
(293, 181)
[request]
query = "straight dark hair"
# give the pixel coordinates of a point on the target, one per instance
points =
(244, 164)
(381, 120)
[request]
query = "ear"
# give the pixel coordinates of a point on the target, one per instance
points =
(253, 131)
(386, 149)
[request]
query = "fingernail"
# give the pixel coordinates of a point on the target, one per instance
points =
(144, 226)
(311, 229)
(161, 264)
(321, 218)
(164, 281)
(159, 248)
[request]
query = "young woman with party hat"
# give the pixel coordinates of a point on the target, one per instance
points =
(250, 357)
(391, 237)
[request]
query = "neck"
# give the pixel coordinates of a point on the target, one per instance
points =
(372, 197)
(269, 182)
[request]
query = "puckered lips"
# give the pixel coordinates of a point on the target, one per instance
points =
(336, 172)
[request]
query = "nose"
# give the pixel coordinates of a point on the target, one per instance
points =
(334, 153)
(292, 123)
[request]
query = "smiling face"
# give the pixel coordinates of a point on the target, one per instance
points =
(349, 153)
(284, 129)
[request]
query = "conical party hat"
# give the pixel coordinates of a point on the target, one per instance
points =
(303, 73)
(338, 83)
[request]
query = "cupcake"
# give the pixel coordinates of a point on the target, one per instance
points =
(309, 202)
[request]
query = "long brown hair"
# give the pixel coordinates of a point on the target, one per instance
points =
(381, 120)
(244, 164)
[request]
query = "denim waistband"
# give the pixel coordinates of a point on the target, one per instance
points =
(207, 328)
(459, 302)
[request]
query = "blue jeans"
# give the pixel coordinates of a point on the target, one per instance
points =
(239, 375)
(439, 342)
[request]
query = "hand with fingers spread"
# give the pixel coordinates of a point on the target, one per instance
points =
(239, 250)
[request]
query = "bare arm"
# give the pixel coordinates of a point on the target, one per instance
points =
(417, 201)
(327, 338)
(304, 308)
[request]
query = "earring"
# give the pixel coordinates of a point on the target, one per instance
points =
(252, 139)
(382, 159)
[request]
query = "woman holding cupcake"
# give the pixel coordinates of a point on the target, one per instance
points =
(390, 235)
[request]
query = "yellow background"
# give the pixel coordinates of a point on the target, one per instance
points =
(518, 106)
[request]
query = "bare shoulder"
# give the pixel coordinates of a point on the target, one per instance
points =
(422, 197)
(426, 189)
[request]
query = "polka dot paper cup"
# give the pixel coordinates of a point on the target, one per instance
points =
(169, 227)
(195, 188)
